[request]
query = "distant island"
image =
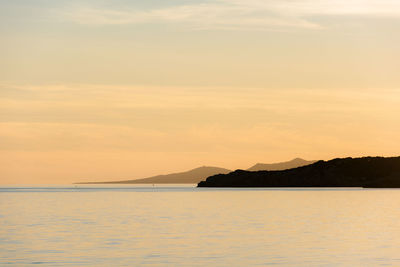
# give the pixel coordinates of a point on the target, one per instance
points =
(294, 163)
(367, 172)
(199, 174)
(189, 177)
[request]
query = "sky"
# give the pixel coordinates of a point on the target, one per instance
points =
(103, 90)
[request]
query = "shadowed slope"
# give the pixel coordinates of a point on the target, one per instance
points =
(347, 172)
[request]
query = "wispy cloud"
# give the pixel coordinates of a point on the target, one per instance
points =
(201, 16)
(236, 14)
(322, 7)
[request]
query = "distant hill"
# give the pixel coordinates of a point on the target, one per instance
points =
(297, 162)
(190, 177)
(199, 174)
(369, 172)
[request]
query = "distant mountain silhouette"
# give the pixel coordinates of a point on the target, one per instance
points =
(372, 172)
(297, 162)
(190, 177)
(199, 174)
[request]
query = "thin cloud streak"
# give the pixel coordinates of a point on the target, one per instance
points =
(236, 14)
(197, 17)
(324, 7)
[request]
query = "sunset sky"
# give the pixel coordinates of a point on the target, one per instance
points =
(111, 90)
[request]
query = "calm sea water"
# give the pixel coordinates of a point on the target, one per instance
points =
(187, 226)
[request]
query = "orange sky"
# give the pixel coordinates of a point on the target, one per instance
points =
(93, 91)
(58, 134)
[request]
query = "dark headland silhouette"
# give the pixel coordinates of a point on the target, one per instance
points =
(368, 172)
(199, 174)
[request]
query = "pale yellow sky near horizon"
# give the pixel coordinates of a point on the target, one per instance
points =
(103, 90)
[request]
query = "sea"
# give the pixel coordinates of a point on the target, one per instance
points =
(181, 225)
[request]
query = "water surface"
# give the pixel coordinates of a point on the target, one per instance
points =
(117, 225)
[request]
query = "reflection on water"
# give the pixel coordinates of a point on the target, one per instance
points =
(118, 225)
